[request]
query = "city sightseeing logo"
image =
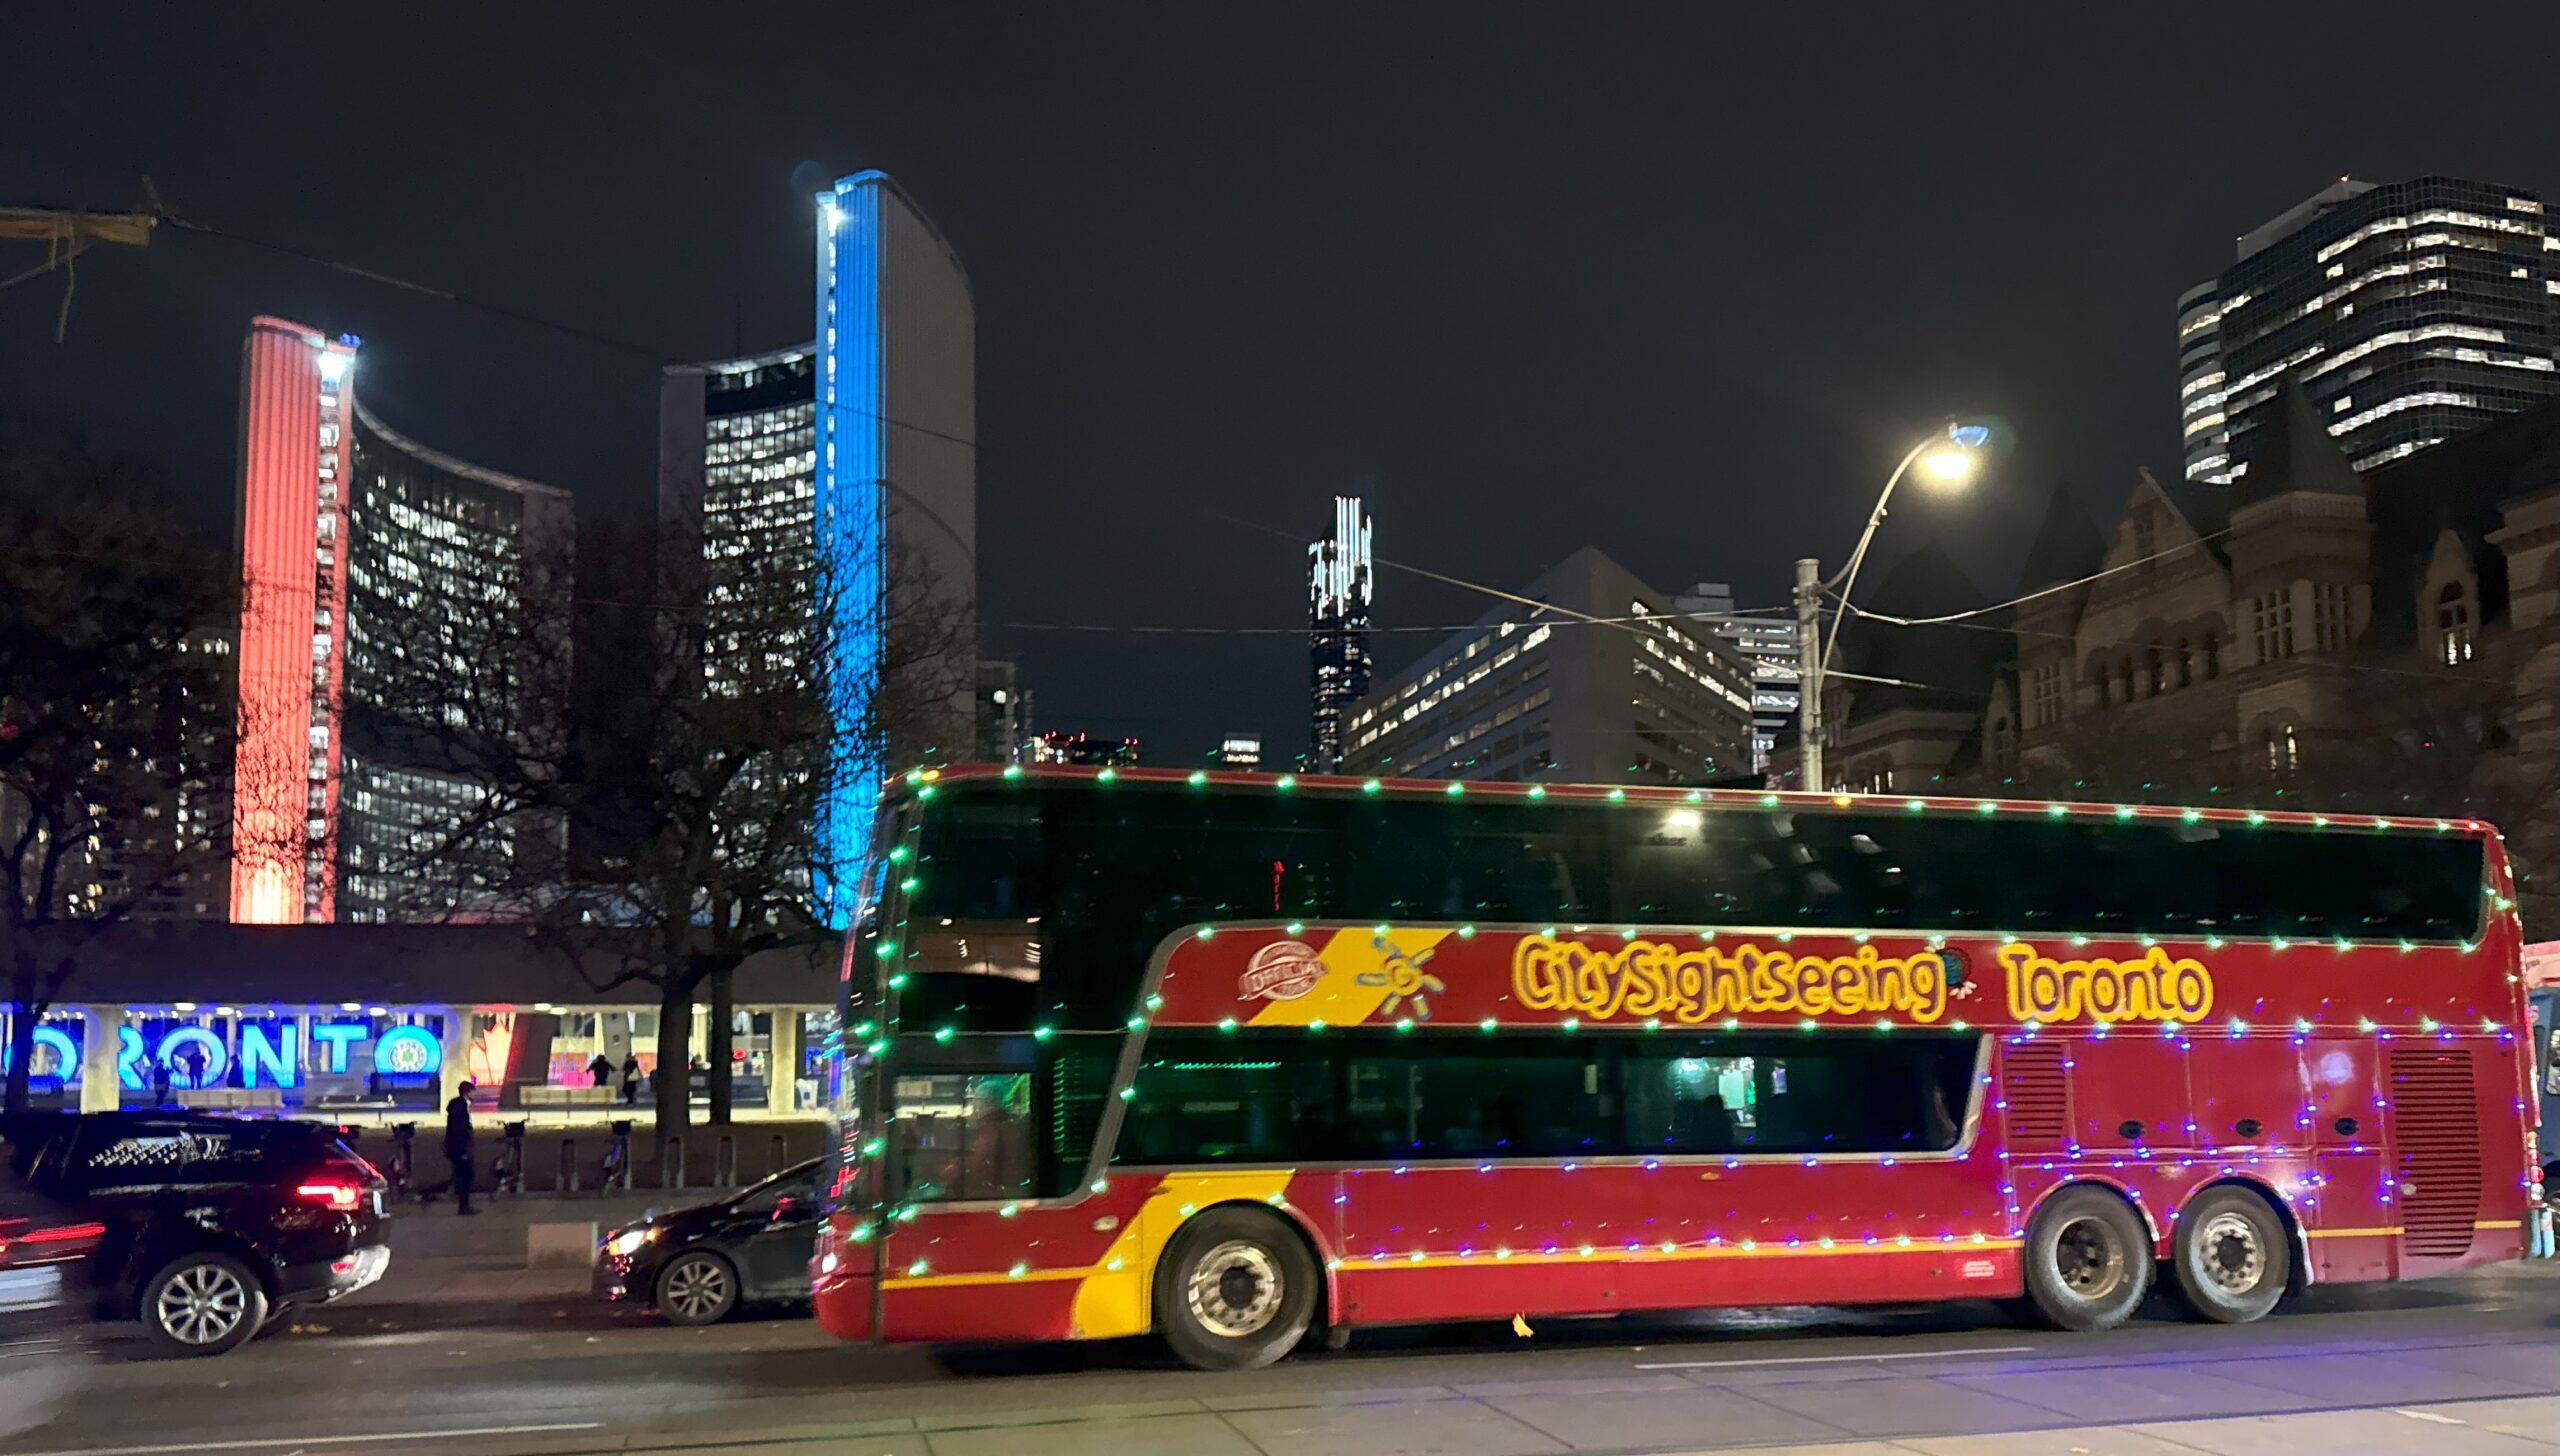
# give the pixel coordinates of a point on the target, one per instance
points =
(1281, 971)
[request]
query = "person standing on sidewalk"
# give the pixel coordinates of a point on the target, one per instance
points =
(457, 1147)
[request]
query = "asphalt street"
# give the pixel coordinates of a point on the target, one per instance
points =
(2450, 1367)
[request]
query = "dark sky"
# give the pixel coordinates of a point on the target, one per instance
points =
(1675, 281)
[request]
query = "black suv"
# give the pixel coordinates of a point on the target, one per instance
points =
(212, 1225)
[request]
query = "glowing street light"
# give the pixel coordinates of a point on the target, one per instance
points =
(1950, 457)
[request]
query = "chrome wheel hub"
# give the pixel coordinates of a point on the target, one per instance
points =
(1235, 1289)
(202, 1305)
(2231, 1254)
(2089, 1259)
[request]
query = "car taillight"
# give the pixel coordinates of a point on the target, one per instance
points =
(337, 1197)
(21, 1245)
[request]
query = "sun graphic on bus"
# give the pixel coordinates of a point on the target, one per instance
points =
(1407, 981)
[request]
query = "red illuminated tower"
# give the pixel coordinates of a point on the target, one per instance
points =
(297, 412)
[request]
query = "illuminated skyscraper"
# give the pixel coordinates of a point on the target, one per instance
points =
(2407, 313)
(1340, 576)
(350, 534)
(843, 472)
(895, 503)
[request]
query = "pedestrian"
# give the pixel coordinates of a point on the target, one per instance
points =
(457, 1147)
(600, 1071)
(630, 1079)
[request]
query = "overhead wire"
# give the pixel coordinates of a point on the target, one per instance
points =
(2040, 592)
(657, 357)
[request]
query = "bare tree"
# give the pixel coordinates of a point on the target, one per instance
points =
(116, 718)
(682, 776)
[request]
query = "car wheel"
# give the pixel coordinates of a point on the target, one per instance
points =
(699, 1288)
(2088, 1260)
(1236, 1290)
(2231, 1256)
(203, 1304)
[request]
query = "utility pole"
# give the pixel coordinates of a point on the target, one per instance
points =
(66, 235)
(1809, 672)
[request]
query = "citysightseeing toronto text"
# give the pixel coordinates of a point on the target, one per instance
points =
(1651, 979)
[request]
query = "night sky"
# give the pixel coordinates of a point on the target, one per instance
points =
(1676, 281)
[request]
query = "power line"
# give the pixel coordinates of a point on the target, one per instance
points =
(1953, 618)
(658, 358)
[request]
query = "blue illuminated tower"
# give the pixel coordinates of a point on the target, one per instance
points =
(895, 503)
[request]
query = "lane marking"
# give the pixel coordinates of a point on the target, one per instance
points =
(266, 1443)
(1841, 1359)
(2419, 1415)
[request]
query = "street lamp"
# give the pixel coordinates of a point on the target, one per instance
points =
(1949, 457)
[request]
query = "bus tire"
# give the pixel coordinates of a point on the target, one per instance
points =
(2231, 1255)
(1235, 1290)
(2088, 1260)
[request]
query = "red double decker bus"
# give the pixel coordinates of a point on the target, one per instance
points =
(1234, 1058)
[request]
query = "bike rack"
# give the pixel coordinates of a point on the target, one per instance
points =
(510, 1177)
(404, 1138)
(671, 1164)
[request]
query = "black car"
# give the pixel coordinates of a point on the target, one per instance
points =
(698, 1265)
(211, 1226)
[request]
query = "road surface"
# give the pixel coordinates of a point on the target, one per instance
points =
(2446, 1368)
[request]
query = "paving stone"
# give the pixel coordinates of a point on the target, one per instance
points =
(2381, 1431)
(1052, 1415)
(2535, 1416)
(1425, 1428)
(1172, 1435)
(2067, 1441)
(1901, 1406)
(2134, 1393)
(1699, 1418)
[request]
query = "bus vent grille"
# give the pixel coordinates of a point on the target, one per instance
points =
(2039, 1098)
(2435, 1126)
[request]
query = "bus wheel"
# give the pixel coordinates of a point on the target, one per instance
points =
(2088, 1260)
(1236, 1290)
(2231, 1255)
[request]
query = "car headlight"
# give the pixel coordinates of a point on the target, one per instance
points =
(628, 1242)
